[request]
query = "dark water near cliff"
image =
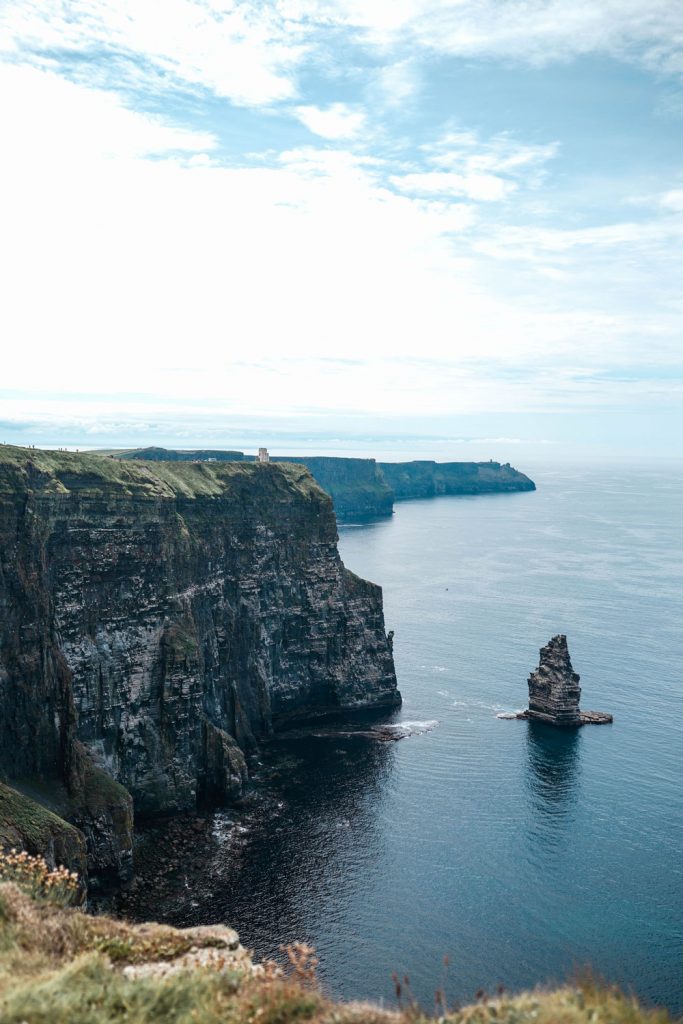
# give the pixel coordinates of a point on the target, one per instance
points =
(521, 852)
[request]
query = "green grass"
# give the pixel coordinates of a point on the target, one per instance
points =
(99, 791)
(98, 476)
(61, 966)
(25, 824)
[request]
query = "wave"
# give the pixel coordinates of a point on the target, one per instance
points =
(404, 729)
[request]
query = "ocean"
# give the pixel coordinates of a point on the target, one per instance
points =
(521, 853)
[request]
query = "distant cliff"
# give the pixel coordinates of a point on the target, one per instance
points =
(364, 487)
(179, 455)
(157, 621)
(426, 479)
(357, 486)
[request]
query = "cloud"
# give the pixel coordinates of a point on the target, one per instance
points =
(398, 84)
(673, 200)
(142, 254)
(338, 121)
(486, 187)
(132, 259)
(246, 52)
(500, 154)
(108, 254)
(251, 53)
(647, 237)
(483, 170)
(53, 117)
(537, 32)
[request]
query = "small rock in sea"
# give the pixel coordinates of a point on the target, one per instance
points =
(554, 690)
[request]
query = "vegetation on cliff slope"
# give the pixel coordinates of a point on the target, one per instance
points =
(362, 486)
(27, 825)
(59, 965)
(97, 476)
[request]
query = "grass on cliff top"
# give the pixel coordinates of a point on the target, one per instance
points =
(89, 475)
(61, 966)
(25, 824)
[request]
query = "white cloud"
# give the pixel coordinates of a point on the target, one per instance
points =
(534, 31)
(338, 121)
(250, 52)
(483, 170)
(399, 83)
(49, 115)
(673, 200)
(500, 154)
(126, 273)
(628, 237)
(486, 187)
(134, 259)
(246, 52)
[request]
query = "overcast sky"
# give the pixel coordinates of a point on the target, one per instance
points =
(346, 219)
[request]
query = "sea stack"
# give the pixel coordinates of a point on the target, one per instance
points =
(554, 691)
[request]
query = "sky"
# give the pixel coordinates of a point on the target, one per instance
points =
(447, 226)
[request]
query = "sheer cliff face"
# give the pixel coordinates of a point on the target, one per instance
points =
(426, 479)
(356, 486)
(168, 616)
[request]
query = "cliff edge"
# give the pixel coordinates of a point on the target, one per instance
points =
(364, 487)
(158, 620)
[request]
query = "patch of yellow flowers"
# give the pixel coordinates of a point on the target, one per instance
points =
(34, 877)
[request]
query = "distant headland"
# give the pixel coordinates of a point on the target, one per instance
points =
(365, 487)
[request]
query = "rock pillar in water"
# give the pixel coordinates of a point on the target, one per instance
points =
(554, 690)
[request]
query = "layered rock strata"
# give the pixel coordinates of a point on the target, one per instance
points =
(554, 691)
(357, 487)
(158, 620)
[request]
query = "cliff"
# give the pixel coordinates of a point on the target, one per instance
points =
(357, 486)
(158, 620)
(426, 479)
(27, 825)
(364, 487)
(60, 966)
(178, 455)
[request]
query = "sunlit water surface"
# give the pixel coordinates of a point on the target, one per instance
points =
(522, 852)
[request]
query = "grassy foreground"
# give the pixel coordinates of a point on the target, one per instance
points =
(61, 966)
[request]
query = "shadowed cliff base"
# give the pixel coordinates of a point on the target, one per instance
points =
(364, 487)
(159, 618)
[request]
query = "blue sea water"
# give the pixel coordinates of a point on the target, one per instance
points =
(521, 852)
